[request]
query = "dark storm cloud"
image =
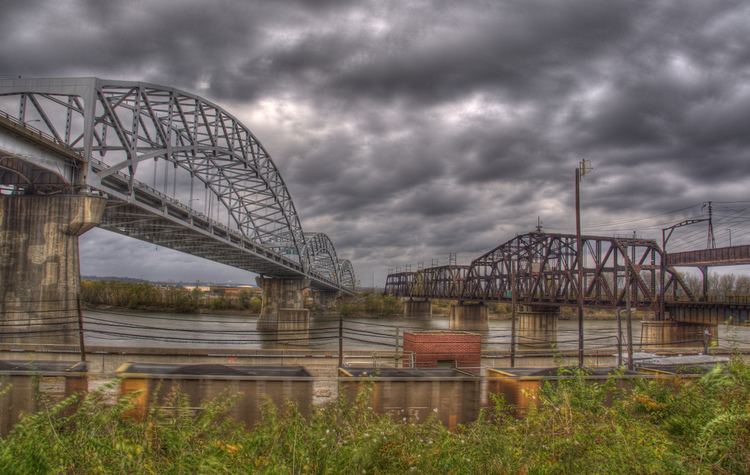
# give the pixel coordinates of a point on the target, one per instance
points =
(406, 130)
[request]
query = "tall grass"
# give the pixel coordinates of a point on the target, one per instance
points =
(660, 426)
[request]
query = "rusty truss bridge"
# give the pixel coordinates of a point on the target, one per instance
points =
(176, 170)
(543, 268)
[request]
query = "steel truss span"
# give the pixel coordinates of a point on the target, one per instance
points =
(178, 170)
(545, 267)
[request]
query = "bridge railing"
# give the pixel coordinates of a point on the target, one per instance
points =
(30, 129)
(735, 255)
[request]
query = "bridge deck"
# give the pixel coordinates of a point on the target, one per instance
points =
(721, 256)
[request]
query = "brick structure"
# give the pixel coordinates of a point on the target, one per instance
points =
(436, 348)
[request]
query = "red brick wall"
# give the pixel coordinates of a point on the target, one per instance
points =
(430, 347)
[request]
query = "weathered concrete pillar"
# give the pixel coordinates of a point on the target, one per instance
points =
(326, 301)
(469, 316)
(284, 299)
(663, 334)
(39, 274)
(292, 328)
(418, 308)
(537, 326)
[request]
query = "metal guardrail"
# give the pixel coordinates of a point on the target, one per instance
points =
(379, 359)
(30, 130)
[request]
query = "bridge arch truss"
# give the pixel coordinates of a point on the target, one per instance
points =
(134, 139)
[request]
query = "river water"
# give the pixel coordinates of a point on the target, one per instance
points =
(117, 328)
(314, 345)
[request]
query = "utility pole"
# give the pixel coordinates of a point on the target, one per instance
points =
(513, 288)
(619, 336)
(629, 328)
(730, 237)
(581, 170)
(710, 240)
(666, 233)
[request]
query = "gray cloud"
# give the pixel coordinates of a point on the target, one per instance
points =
(406, 130)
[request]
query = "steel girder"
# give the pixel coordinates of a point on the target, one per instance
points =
(545, 267)
(440, 282)
(119, 127)
(321, 255)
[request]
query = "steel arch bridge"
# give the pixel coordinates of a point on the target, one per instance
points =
(178, 171)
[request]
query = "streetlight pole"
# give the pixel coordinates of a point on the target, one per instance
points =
(666, 233)
(581, 170)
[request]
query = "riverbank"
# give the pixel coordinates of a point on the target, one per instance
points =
(164, 298)
(661, 426)
(146, 297)
(158, 310)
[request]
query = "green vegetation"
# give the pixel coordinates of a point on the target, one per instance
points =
(151, 296)
(370, 303)
(661, 426)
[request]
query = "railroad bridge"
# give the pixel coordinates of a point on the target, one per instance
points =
(150, 162)
(541, 270)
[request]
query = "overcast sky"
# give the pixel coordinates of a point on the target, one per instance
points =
(407, 130)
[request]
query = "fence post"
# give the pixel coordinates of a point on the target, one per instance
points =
(629, 328)
(395, 360)
(341, 341)
(81, 343)
(706, 340)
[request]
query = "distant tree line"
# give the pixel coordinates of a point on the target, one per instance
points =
(138, 295)
(719, 286)
(372, 303)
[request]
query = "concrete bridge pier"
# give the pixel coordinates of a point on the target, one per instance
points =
(283, 300)
(537, 326)
(39, 267)
(418, 308)
(326, 301)
(663, 334)
(469, 316)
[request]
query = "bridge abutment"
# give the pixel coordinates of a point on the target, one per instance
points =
(661, 334)
(537, 326)
(283, 299)
(39, 272)
(418, 308)
(469, 316)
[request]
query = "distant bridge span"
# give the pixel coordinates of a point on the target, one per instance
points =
(545, 266)
(176, 169)
(720, 256)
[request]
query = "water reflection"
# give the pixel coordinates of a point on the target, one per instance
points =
(456, 323)
(290, 331)
(537, 329)
(164, 330)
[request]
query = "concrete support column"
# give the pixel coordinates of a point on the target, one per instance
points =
(284, 299)
(704, 282)
(326, 301)
(660, 335)
(418, 308)
(537, 326)
(469, 316)
(39, 274)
